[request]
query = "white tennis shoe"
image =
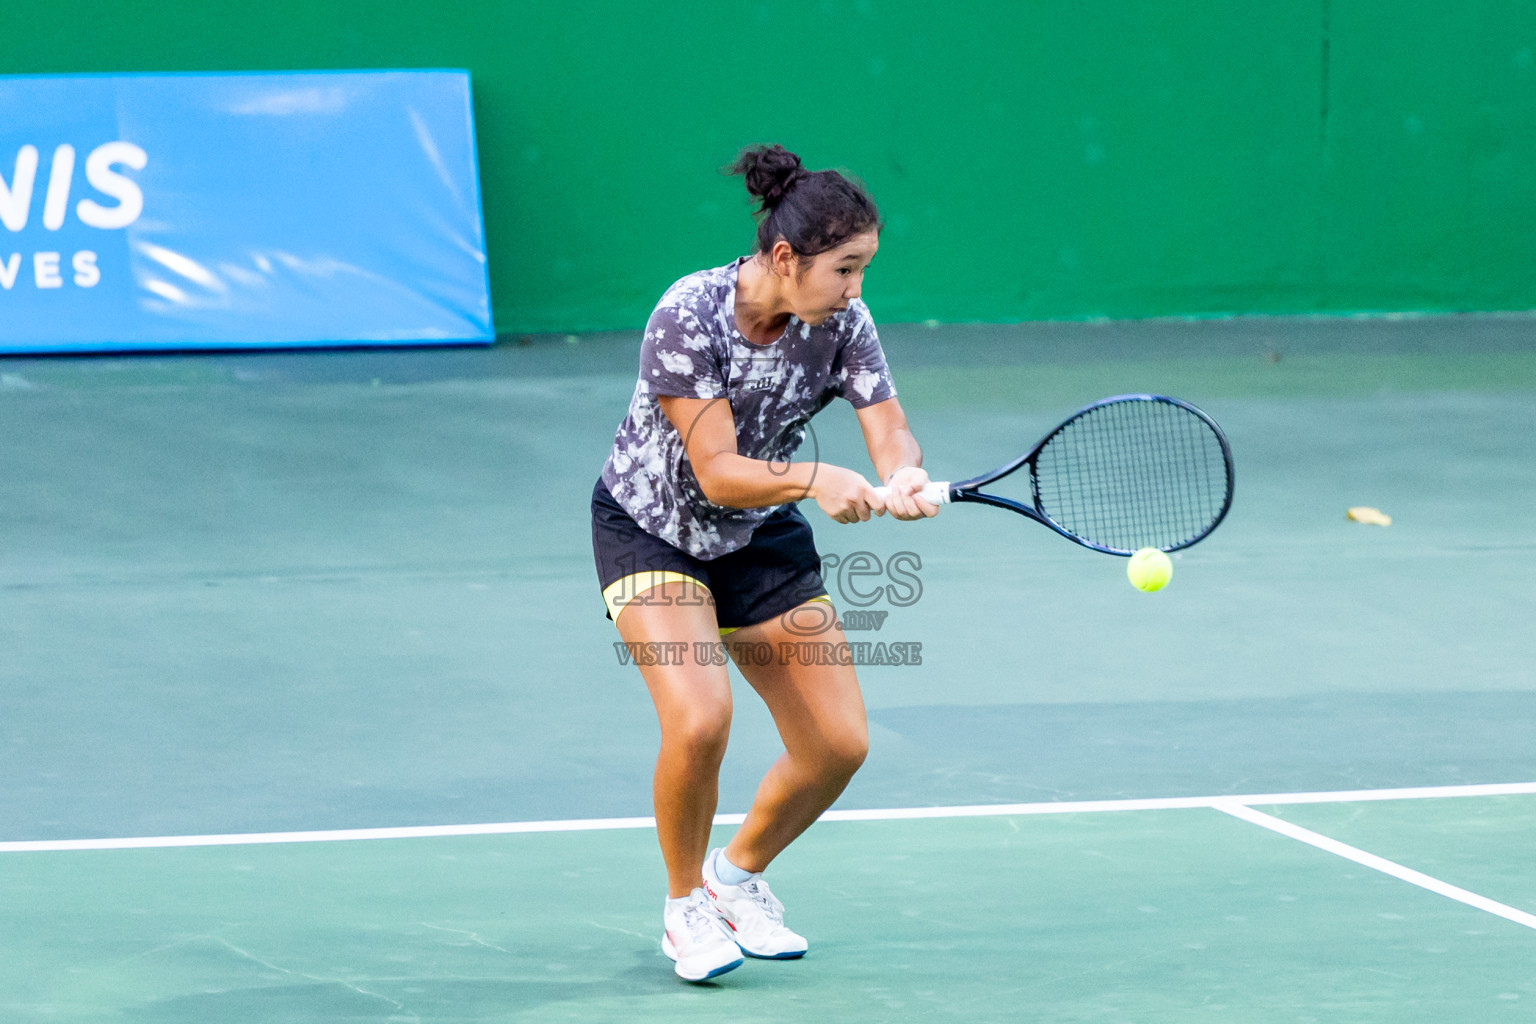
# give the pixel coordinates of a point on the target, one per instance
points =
(754, 914)
(698, 940)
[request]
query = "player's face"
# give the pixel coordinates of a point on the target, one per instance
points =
(834, 278)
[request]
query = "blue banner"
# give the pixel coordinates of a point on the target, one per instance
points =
(252, 210)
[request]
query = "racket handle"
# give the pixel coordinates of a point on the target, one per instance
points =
(936, 493)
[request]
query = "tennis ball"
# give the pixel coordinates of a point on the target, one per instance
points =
(1149, 570)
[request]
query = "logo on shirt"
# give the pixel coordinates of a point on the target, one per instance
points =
(760, 384)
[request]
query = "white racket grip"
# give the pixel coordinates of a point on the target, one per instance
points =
(936, 493)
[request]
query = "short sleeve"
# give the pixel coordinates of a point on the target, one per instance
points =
(860, 371)
(677, 356)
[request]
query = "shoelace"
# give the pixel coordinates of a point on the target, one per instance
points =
(700, 921)
(757, 890)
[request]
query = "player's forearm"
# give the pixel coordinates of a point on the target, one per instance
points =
(736, 481)
(896, 450)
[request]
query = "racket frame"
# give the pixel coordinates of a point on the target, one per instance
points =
(967, 490)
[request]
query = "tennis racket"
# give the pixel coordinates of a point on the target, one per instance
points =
(1122, 474)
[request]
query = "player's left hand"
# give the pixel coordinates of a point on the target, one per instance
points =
(903, 502)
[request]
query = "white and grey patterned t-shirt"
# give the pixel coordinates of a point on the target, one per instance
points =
(692, 349)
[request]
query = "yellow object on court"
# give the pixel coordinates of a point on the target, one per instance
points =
(1149, 569)
(1369, 516)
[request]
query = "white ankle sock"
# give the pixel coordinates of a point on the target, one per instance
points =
(727, 872)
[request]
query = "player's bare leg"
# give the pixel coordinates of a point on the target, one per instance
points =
(820, 715)
(693, 705)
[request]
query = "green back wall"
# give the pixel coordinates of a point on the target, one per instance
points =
(1046, 159)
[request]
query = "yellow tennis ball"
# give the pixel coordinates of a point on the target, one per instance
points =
(1149, 570)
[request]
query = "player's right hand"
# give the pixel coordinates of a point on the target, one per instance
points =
(845, 496)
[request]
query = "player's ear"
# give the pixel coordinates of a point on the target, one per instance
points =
(782, 257)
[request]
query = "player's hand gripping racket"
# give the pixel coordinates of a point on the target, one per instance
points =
(1125, 473)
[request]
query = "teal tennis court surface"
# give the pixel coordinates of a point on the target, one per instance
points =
(252, 596)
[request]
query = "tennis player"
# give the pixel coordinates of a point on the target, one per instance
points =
(701, 550)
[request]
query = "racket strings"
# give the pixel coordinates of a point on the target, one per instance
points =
(1134, 474)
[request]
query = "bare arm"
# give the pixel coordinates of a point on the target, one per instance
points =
(731, 479)
(897, 458)
(888, 438)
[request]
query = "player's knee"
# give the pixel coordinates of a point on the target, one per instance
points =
(703, 734)
(845, 752)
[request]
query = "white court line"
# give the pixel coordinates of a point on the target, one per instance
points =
(1176, 802)
(877, 814)
(1374, 862)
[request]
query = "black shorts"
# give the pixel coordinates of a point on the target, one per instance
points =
(778, 570)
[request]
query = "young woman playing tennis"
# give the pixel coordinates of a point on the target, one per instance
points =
(698, 540)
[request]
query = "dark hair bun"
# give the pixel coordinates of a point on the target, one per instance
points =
(811, 210)
(771, 171)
